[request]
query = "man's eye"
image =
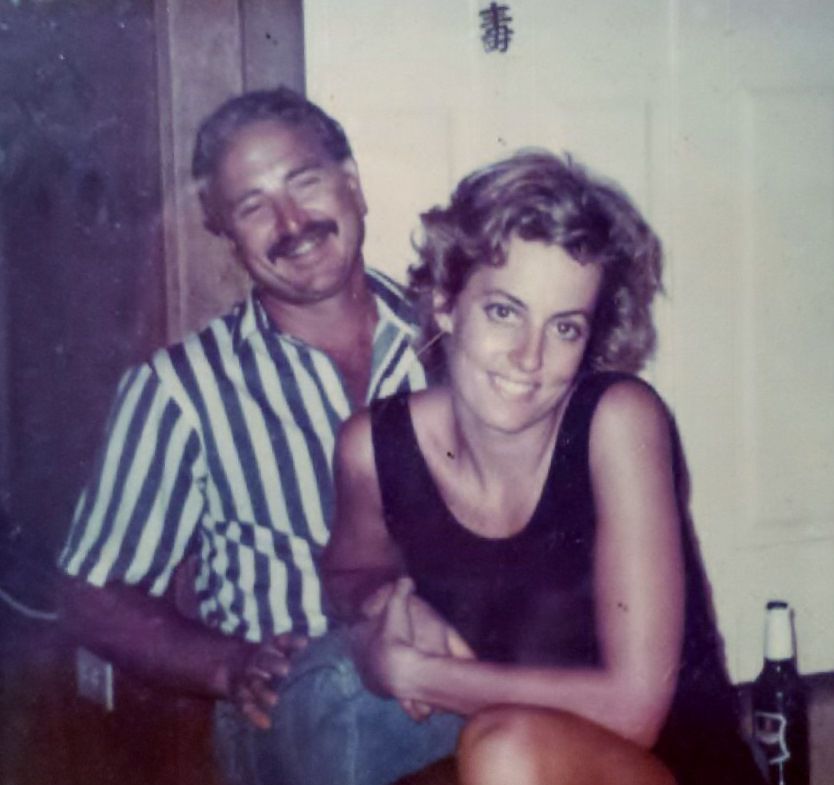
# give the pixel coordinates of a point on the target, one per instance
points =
(307, 181)
(500, 312)
(248, 209)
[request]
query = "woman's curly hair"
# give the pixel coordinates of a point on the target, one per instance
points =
(539, 196)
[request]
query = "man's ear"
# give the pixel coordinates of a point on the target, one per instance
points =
(212, 219)
(351, 171)
(442, 312)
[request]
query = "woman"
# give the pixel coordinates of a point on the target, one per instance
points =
(531, 501)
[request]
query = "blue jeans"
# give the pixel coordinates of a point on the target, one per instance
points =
(328, 729)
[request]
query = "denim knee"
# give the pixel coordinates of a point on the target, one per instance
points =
(327, 727)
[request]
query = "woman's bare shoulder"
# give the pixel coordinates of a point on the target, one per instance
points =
(630, 402)
(631, 422)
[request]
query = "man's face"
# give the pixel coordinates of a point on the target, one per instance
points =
(294, 214)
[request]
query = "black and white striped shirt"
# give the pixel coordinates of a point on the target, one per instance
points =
(223, 445)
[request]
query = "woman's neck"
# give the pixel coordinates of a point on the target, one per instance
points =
(490, 480)
(500, 457)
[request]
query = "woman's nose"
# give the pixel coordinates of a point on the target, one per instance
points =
(527, 353)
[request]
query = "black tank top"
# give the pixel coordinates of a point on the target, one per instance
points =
(528, 598)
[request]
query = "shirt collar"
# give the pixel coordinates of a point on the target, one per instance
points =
(250, 319)
(392, 307)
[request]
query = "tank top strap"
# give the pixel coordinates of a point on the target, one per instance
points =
(404, 482)
(390, 429)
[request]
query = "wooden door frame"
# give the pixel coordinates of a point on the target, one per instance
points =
(206, 53)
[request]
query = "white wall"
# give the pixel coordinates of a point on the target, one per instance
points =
(718, 117)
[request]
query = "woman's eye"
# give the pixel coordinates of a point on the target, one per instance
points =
(568, 331)
(500, 312)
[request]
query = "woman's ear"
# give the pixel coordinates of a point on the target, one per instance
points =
(442, 314)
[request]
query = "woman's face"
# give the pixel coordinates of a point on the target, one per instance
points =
(517, 335)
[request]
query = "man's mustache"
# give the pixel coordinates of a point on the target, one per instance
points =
(287, 244)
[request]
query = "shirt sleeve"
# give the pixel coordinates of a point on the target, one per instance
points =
(139, 512)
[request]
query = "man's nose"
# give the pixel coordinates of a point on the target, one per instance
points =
(288, 215)
(528, 351)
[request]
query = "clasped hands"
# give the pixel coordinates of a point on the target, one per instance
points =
(399, 628)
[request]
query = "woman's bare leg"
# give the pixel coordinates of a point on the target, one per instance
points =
(527, 746)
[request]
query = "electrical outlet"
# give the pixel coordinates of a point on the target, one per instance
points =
(94, 678)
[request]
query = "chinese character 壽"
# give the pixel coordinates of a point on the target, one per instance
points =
(496, 29)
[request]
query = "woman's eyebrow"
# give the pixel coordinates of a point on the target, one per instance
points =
(521, 304)
(572, 312)
(501, 293)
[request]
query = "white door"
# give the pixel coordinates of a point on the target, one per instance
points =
(718, 118)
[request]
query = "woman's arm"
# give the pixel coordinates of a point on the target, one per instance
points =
(361, 560)
(362, 563)
(638, 579)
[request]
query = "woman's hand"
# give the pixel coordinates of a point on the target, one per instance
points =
(432, 634)
(383, 645)
(402, 627)
(391, 627)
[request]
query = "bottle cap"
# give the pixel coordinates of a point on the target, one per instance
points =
(778, 632)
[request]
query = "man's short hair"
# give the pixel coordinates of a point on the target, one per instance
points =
(282, 105)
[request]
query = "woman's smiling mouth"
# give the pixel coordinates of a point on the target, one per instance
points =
(512, 388)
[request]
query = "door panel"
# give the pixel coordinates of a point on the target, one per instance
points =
(789, 288)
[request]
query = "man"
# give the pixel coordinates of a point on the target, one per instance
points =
(220, 448)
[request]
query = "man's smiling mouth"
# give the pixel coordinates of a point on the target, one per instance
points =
(291, 246)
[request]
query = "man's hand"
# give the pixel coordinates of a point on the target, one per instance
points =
(254, 678)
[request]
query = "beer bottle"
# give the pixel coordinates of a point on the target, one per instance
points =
(780, 719)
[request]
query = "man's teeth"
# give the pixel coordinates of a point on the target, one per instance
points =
(304, 246)
(510, 387)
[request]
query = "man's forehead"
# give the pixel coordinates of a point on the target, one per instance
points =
(276, 138)
(266, 151)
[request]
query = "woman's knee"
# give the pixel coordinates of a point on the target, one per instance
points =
(518, 727)
(530, 746)
(504, 744)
